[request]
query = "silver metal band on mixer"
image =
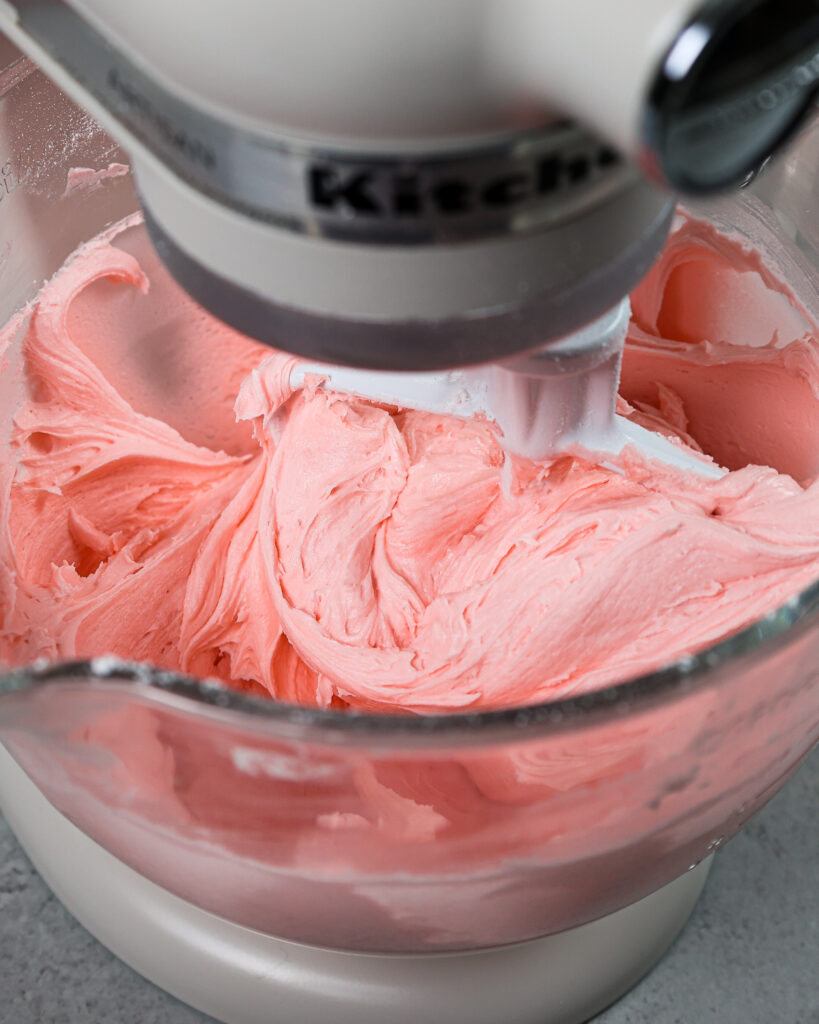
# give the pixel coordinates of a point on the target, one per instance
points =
(510, 184)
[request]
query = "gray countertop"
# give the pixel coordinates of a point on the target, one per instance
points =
(750, 954)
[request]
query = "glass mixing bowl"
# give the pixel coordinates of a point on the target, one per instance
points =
(398, 834)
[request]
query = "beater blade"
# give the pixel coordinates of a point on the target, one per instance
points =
(554, 399)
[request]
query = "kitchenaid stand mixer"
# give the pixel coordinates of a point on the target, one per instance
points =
(468, 226)
(425, 186)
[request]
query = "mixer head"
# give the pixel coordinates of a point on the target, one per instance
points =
(415, 186)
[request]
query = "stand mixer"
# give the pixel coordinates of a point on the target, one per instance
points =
(413, 189)
(421, 187)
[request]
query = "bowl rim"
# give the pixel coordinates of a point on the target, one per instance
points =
(215, 700)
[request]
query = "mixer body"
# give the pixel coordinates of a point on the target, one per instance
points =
(421, 186)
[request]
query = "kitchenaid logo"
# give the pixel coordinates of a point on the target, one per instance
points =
(417, 193)
(134, 103)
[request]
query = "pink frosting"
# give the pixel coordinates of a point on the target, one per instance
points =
(87, 179)
(169, 498)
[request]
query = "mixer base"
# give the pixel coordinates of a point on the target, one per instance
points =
(243, 977)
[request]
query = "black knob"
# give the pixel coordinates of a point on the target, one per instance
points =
(734, 86)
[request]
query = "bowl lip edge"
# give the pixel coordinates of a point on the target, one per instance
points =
(214, 698)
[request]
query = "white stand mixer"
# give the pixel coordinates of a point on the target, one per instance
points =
(395, 186)
(424, 186)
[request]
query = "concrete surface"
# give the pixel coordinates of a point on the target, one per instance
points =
(750, 954)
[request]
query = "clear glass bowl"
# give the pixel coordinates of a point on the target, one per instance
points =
(404, 834)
